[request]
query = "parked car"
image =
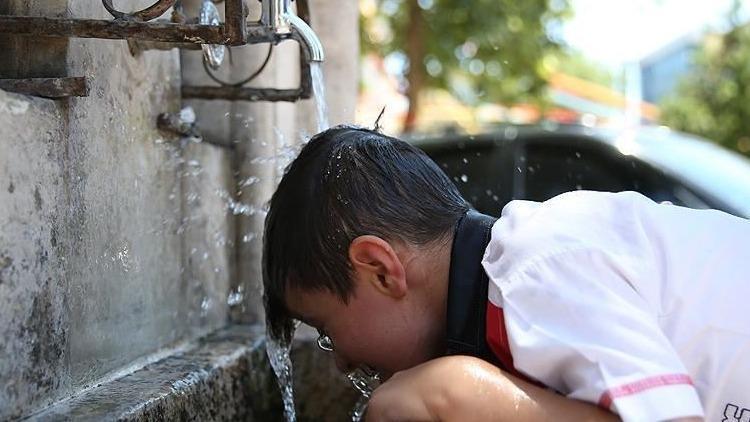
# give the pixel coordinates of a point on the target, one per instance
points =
(539, 162)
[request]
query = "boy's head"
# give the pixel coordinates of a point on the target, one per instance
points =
(354, 245)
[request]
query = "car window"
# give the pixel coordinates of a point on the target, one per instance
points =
(720, 173)
(489, 175)
(547, 170)
(478, 171)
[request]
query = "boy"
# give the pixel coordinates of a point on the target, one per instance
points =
(614, 301)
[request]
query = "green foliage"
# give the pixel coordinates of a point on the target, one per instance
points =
(713, 101)
(489, 50)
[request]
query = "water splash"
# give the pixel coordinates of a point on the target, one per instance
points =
(278, 354)
(360, 408)
(365, 380)
(235, 297)
(249, 181)
(240, 208)
(285, 154)
(319, 92)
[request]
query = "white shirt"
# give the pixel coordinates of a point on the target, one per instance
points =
(641, 308)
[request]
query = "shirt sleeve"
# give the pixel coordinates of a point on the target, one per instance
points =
(575, 324)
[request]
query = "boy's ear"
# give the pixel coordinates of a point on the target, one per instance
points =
(374, 260)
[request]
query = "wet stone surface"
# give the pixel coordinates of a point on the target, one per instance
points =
(223, 377)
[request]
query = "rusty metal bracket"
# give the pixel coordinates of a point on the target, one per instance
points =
(136, 25)
(304, 91)
(113, 30)
(152, 12)
(142, 31)
(48, 87)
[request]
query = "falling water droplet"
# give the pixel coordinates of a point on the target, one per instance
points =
(235, 298)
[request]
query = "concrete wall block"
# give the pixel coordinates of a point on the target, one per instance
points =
(94, 226)
(258, 174)
(125, 272)
(32, 256)
(209, 235)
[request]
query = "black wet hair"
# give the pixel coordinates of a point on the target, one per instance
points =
(347, 182)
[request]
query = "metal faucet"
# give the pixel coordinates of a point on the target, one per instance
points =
(277, 15)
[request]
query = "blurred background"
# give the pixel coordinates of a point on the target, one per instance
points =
(453, 65)
(526, 100)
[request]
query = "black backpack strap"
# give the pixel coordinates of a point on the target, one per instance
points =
(467, 289)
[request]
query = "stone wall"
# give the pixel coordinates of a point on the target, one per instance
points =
(117, 244)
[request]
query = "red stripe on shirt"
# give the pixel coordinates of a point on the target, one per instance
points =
(640, 386)
(497, 339)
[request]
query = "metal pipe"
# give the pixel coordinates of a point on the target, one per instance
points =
(278, 16)
(273, 16)
(312, 48)
(113, 30)
(242, 93)
(48, 87)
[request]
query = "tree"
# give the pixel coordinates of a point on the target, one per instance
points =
(713, 101)
(478, 49)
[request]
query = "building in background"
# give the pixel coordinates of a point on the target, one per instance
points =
(662, 69)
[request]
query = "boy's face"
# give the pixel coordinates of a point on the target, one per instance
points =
(386, 333)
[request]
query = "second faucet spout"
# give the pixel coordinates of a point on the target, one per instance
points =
(277, 15)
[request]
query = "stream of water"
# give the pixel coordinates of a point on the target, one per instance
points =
(319, 93)
(278, 354)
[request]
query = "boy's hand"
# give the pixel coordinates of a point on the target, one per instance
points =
(466, 389)
(410, 395)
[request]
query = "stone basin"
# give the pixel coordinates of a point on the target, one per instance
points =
(224, 376)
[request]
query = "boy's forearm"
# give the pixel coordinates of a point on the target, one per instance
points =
(467, 389)
(497, 396)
